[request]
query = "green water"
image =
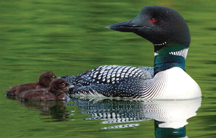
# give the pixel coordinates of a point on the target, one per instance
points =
(68, 37)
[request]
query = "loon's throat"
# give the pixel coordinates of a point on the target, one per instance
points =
(170, 56)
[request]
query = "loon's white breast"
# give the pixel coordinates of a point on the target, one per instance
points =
(173, 83)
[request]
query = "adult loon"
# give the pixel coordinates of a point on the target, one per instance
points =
(169, 33)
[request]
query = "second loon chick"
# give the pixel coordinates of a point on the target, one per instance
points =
(169, 33)
(56, 92)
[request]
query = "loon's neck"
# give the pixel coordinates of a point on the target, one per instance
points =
(168, 56)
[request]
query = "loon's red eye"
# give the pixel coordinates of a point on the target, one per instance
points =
(152, 20)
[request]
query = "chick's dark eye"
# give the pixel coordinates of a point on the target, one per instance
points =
(53, 76)
(63, 84)
(153, 20)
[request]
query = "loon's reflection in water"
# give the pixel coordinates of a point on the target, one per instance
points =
(170, 117)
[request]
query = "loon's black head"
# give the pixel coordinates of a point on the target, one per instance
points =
(159, 25)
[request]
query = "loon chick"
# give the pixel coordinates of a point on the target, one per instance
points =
(55, 92)
(44, 82)
(169, 33)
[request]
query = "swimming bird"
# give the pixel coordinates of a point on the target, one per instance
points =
(55, 92)
(44, 82)
(166, 29)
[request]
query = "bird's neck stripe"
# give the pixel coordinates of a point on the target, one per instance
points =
(162, 44)
(182, 53)
(156, 54)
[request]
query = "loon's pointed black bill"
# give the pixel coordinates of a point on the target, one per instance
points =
(127, 26)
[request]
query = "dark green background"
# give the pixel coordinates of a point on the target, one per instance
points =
(68, 37)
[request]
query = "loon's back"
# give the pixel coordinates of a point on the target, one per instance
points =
(110, 80)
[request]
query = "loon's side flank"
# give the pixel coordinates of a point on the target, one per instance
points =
(169, 33)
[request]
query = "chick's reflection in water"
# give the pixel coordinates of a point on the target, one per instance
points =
(170, 117)
(55, 109)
